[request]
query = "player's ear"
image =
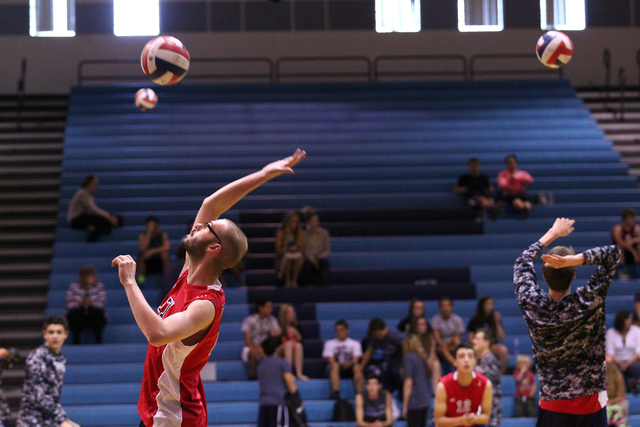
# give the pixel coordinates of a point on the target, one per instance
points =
(214, 249)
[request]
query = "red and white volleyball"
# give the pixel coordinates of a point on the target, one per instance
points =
(165, 60)
(554, 49)
(146, 99)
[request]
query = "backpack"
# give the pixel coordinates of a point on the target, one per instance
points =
(297, 414)
(343, 411)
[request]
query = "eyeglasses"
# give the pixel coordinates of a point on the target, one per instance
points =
(214, 233)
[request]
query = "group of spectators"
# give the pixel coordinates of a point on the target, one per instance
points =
(481, 196)
(302, 250)
(409, 359)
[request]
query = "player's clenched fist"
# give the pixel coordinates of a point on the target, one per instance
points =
(126, 269)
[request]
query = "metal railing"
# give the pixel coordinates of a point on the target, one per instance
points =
(335, 67)
(405, 59)
(494, 70)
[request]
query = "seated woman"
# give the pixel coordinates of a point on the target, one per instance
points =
(618, 404)
(292, 348)
(289, 249)
(513, 184)
(416, 311)
(86, 301)
(84, 214)
(486, 317)
(373, 407)
(154, 250)
(623, 348)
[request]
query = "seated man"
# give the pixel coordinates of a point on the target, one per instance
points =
(343, 354)
(477, 190)
(257, 328)
(448, 328)
(626, 235)
(383, 354)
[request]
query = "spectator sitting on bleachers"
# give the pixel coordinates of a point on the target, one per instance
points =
(623, 348)
(343, 356)
(416, 311)
(448, 328)
(383, 354)
(626, 235)
(417, 390)
(420, 328)
(524, 400)
(84, 214)
(373, 406)
(86, 302)
(618, 404)
(477, 190)
(513, 184)
(40, 405)
(317, 248)
(275, 379)
(154, 250)
(489, 366)
(292, 347)
(636, 307)
(257, 328)
(486, 317)
(289, 249)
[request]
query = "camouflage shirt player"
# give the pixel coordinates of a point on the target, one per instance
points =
(40, 405)
(568, 335)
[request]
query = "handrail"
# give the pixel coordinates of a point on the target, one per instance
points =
(269, 76)
(377, 73)
(279, 74)
(497, 72)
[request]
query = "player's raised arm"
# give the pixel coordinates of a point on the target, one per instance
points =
(223, 199)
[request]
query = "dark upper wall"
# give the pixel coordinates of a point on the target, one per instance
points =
(241, 28)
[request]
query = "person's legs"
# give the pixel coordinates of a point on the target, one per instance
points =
(295, 272)
(334, 379)
(502, 353)
(267, 416)
(76, 320)
(417, 417)
(298, 356)
(559, 419)
(287, 352)
(97, 322)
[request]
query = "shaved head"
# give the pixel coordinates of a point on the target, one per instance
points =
(234, 244)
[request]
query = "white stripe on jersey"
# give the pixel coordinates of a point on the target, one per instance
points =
(168, 399)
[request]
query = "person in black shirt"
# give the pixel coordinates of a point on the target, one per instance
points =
(477, 190)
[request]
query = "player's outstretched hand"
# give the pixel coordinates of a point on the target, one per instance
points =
(557, 261)
(285, 165)
(126, 269)
(563, 226)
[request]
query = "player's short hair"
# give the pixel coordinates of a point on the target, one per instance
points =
(559, 279)
(523, 358)
(152, 218)
(261, 302)
(56, 320)
(270, 345)
(372, 376)
(628, 212)
(86, 271)
(234, 244)
(465, 346)
(488, 334)
(341, 322)
(87, 180)
(473, 160)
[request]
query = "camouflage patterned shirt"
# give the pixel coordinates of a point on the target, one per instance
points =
(568, 336)
(490, 368)
(40, 405)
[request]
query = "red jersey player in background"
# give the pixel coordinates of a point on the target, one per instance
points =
(463, 397)
(184, 329)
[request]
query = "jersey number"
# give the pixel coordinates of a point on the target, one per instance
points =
(464, 406)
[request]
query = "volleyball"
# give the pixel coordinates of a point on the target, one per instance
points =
(146, 99)
(165, 60)
(554, 49)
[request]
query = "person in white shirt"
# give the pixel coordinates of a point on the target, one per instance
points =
(257, 328)
(343, 355)
(623, 345)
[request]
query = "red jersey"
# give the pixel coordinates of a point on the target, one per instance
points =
(172, 393)
(462, 400)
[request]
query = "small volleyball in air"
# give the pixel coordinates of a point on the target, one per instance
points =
(146, 99)
(165, 60)
(554, 49)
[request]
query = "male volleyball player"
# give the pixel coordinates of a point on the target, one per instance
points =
(567, 329)
(463, 397)
(184, 329)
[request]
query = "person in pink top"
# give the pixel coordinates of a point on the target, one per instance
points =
(513, 184)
